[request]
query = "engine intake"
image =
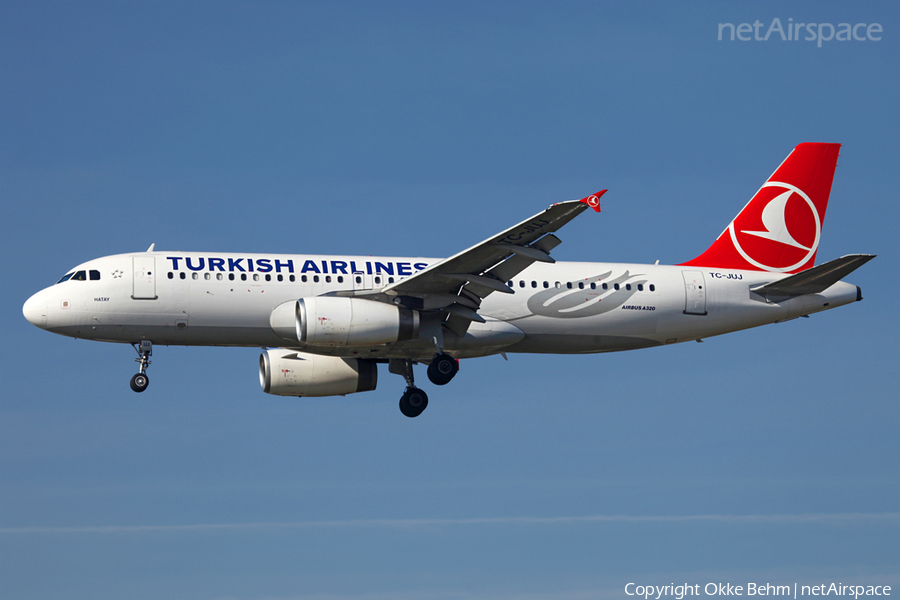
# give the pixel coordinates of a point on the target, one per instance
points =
(333, 321)
(291, 373)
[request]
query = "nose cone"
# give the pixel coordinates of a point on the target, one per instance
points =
(35, 309)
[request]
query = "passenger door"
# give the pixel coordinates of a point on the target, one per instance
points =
(694, 293)
(144, 278)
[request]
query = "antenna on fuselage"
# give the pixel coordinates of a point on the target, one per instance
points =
(150, 249)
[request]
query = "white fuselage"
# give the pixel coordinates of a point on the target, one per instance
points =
(216, 299)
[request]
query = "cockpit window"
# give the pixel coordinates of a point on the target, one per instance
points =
(66, 277)
(80, 276)
(95, 275)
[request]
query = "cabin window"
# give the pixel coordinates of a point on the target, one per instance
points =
(378, 281)
(292, 278)
(628, 286)
(243, 277)
(268, 277)
(390, 280)
(640, 287)
(171, 275)
(340, 279)
(182, 275)
(219, 276)
(195, 276)
(521, 283)
(509, 283)
(328, 279)
(280, 277)
(357, 278)
(605, 286)
(534, 284)
(569, 285)
(652, 288)
(315, 278)
(256, 277)
(206, 276)
(593, 286)
(231, 277)
(615, 286)
(546, 284)
(580, 285)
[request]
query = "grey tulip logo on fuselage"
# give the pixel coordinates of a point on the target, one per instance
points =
(564, 303)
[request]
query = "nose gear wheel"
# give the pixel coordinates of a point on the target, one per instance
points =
(140, 382)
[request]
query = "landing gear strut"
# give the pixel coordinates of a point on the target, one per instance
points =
(140, 381)
(413, 401)
(442, 369)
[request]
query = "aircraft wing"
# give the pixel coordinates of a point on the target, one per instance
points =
(459, 283)
(816, 279)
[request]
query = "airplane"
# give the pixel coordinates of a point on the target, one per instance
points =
(325, 323)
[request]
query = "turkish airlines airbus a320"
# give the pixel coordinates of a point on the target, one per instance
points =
(326, 322)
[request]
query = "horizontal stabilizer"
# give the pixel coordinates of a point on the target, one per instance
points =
(816, 279)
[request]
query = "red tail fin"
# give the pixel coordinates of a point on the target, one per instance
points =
(779, 229)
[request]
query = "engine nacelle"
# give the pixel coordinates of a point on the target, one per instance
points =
(291, 373)
(334, 321)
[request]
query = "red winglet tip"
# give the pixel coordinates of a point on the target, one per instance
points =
(594, 200)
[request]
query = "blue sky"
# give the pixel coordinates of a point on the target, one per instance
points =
(420, 128)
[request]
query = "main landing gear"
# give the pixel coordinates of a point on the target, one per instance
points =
(140, 381)
(441, 370)
(413, 401)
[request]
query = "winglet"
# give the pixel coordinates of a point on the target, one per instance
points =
(594, 200)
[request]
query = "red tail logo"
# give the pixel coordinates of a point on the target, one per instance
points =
(594, 200)
(780, 228)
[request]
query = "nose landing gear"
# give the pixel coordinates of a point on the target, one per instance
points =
(140, 381)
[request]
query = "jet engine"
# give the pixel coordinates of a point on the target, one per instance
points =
(334, 321)
(291, 373)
